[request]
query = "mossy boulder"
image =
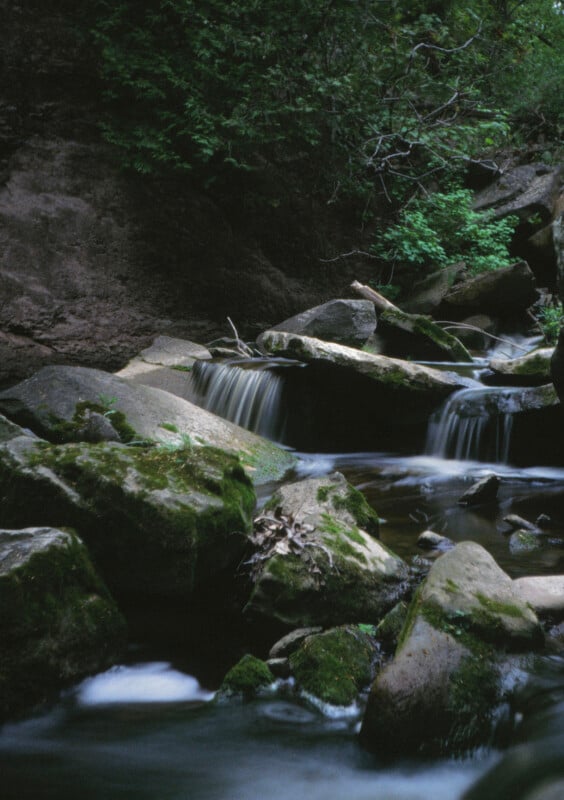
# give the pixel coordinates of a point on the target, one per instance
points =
(442, 686)
(247, 678)
(56, 400)
(320, 564)
(335, 666)
(391, 374)
(159, 521)
(58, 621)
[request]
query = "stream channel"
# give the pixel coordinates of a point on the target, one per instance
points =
(148, 730)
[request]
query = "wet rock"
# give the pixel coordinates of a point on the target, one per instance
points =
(389, 629)
(473, 331)
(316, 561)
(519, 523)
(440, 689)
(54, 401)
(543, 521)
(483, 491)
(348, 322)
(503, 292)
(532, 369)
(429, 540)
(58, 621)
(158, 521)
(545, 594)
(335, 666)
(280, 667)
(524, 541)
(166, 365)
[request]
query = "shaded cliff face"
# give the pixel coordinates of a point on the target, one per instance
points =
(94, 262)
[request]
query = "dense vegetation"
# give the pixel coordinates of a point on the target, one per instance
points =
(375, 101)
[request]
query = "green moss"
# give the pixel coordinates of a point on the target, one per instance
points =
(181, 367)
(495, 607)
(334, 666)
(451, 586)
(473, 692)
(355, 503)
(323, 493)
(533, 365)
(71, 431)
(247, 677)
(168, 426)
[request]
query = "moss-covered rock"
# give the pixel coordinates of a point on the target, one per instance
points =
(420, 337)
(158, 520)
(532, 369)
(57, 401)
(334, 666)
(58, 622)
(247, 678)
(327, 569)
(440, 690)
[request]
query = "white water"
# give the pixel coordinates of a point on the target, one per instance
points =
(250, 397)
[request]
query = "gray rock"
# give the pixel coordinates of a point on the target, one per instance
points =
(524, 541)
(319, 565)
(427, 295)
(519, 523)
(58, 621)
(287, 644)
(483, 491)
(348, 322)
(532, 369)
(525, 190)
(389, 629)
(545, 594)
(416, 336)
(166, 365)
(53, 402)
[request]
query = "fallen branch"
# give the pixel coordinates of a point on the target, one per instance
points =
(381, 302)
(243, 349)
(448, 325)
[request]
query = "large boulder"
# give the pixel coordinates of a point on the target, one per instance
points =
(427, 295)
(316, 561)
(439, 690)
(416, 336)
(159, 521)
(58, 622)
(505, 292)
(349, 322)
(58, 403)
(389, 373)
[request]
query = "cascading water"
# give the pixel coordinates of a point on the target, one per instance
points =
(474, 424)
(248, 393)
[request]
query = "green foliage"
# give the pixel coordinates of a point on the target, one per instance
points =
(442, 229)
(551, 319)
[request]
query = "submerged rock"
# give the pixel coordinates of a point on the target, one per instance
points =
(335, 666)
(440, 689)
(348, 322)
(160, 521)
(58, 622)
(316, 562)
(483, 491)
(55, 401)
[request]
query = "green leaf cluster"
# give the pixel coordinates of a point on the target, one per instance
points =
(442, 229)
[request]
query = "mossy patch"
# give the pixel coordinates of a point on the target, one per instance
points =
(72, 430)
(247, 677)
(334, 666)
(356, 504)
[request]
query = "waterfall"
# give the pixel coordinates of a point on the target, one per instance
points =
(248, 393)
(474, 424)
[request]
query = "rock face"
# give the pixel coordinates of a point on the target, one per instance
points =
(526, 190)
(58, 621)
(53, 403)
(545, 595)
(159, 522)
(318, 563)
(416, 336)
(349, 322)
(443, 681)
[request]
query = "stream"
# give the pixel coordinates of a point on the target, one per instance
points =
(150, 730)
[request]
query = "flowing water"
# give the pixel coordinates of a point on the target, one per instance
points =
(150, 730)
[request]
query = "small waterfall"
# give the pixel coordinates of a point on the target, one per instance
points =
(474, 425)
(248, 393)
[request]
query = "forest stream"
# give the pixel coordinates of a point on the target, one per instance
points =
(149, 729)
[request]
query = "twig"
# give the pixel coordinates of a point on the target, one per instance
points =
(465, 326)
(241, 346)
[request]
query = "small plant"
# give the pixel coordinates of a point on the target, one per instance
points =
(550, 320)
(443, 229)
